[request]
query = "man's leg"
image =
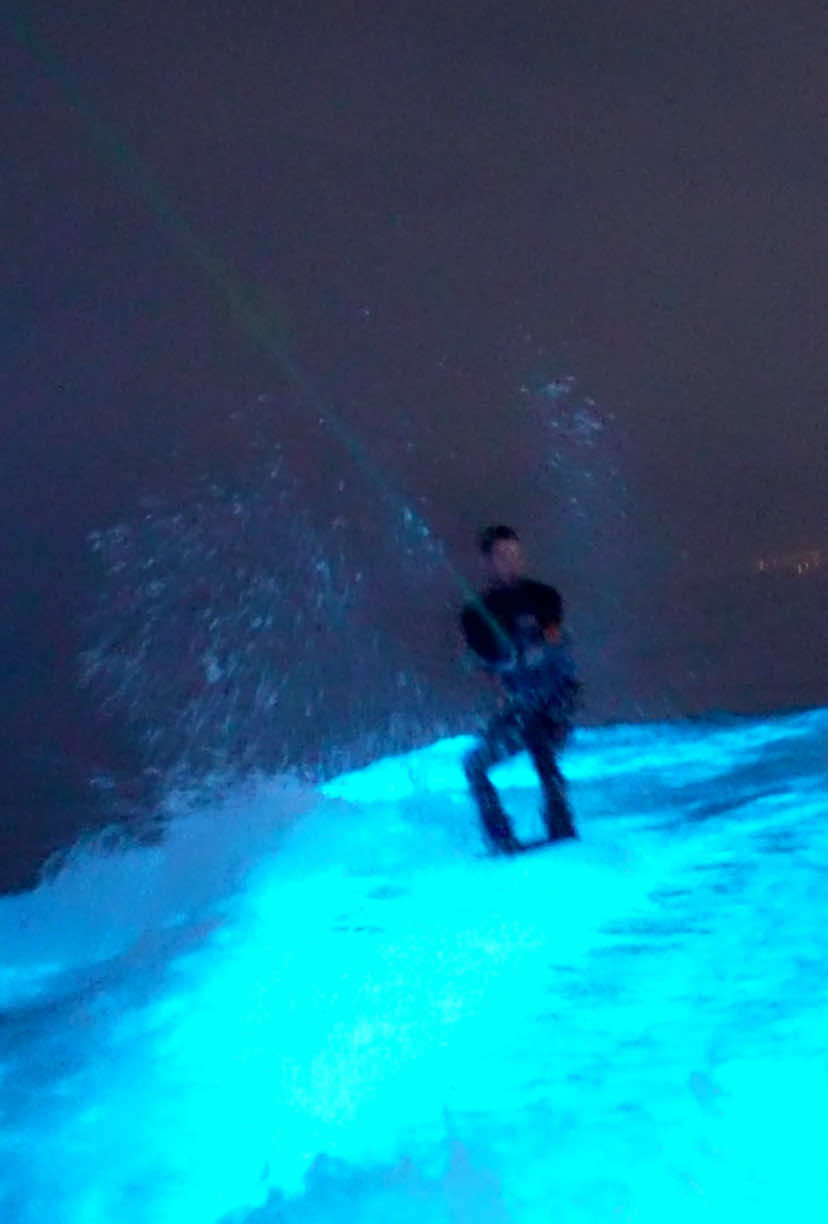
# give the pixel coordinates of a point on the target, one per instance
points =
(501, 739)
(543, 738)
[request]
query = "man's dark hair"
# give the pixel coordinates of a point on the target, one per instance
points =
(491, 535)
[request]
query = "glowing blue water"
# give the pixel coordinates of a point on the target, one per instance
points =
(324, 1006)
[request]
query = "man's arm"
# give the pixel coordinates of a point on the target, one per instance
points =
(549, 611)
(479, 637)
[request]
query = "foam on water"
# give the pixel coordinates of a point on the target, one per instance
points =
(325, 1005)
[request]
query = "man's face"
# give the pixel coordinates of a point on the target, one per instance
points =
(506, 560)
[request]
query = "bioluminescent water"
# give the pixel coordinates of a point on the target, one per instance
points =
(323, 1004)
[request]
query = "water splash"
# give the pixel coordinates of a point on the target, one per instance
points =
(242, 629)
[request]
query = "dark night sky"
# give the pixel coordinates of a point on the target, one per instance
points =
(419, 188)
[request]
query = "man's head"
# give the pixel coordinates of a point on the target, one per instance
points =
(504, 556)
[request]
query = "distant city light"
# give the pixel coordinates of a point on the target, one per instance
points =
(799, 563)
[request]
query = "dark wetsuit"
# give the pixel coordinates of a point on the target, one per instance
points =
(539, 678)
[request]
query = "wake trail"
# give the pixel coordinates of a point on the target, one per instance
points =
(295, 976)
